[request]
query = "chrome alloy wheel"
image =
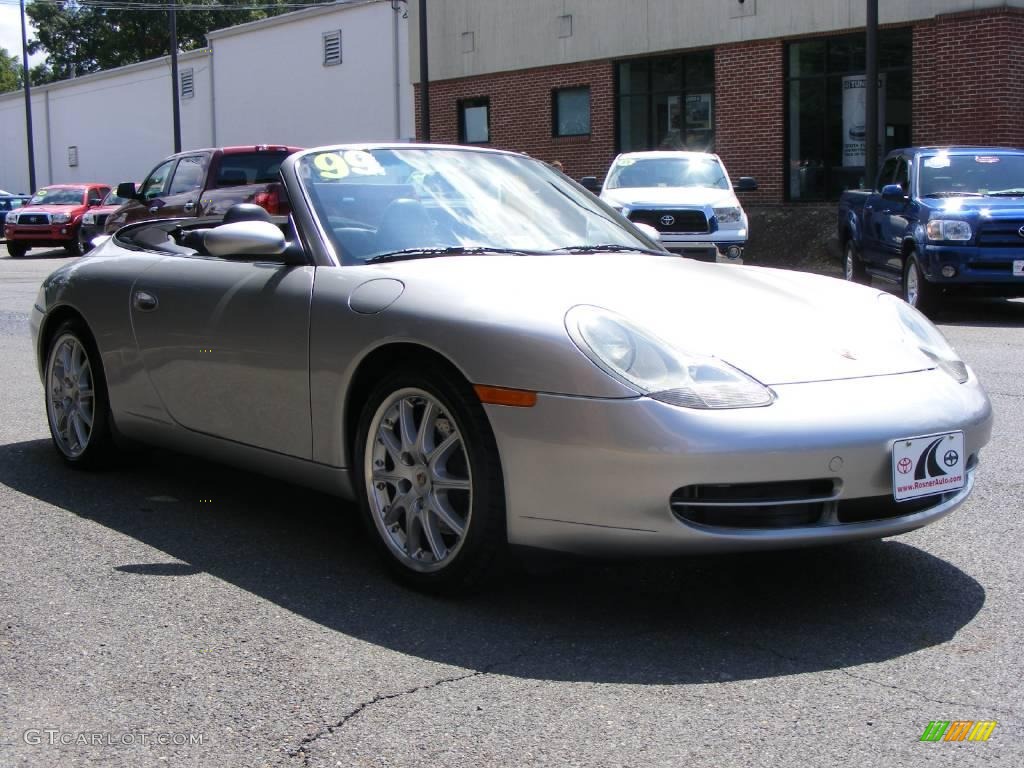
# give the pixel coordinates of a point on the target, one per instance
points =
(70, 399)
(913, 289)
(850, 263)
(418, 479)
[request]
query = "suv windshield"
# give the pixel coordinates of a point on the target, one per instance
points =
(423, 202)
(58, 197)
(945, 174)
(686, 171)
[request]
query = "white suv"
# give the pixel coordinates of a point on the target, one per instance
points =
(686, 196)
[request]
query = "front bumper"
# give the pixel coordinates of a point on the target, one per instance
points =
(705, 247)
(597, 476)
(38, 235)
(989, 269)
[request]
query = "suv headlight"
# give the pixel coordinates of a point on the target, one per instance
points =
(919, 332)
(89, 218)
(59, 218)
(654, 368)
(948, 229)
(11, 218)
(729, 215)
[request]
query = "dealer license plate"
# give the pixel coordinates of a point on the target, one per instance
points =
(1018, 268)
(923, 466)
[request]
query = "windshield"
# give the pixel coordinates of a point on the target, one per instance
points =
(383, 202)
(113, 199)
(992, 175)
(692, 171)
(58, 197)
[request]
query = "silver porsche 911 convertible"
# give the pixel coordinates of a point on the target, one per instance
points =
(483, 354)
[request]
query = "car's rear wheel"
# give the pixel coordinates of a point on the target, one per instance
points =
(429, 481)
(16, 250)
(917, 291)
(853, 268)
(77, 407)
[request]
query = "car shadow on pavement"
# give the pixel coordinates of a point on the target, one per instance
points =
(37, 254)
(982, 313)
(692, 620)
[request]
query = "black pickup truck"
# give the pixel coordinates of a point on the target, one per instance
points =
(939, 220)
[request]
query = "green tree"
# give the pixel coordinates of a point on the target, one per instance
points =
(10, 72)
(82, 36)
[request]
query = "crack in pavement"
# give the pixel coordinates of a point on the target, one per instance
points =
(300, 751)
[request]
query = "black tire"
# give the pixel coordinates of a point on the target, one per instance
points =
(74, 246)
(916, 290)
(853, 268)
(16, 250)
(99, 445)
(479, 554)
(83, 242)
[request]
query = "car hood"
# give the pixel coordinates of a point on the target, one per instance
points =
(700, 196)
(49, 208)
(994, 207)
(777, 326)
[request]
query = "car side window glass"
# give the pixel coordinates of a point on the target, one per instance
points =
(885, 175)
(902, 175)
(188, 176)
(156, 183)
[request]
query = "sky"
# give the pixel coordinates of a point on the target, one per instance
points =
(10, 32)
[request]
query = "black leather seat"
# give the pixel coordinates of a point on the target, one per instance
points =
(405, 224)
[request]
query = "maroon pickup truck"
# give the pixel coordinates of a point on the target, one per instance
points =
(206, 182)
(52, 218)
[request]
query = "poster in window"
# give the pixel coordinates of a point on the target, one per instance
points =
(854, 121)
(698, 112)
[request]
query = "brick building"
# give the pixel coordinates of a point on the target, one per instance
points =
(771, 85)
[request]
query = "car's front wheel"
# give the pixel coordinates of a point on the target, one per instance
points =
(84, 246)
(429, 481)
(16, 250)
(74, 246)
(917, 291)
(853, 267)
(76, 397)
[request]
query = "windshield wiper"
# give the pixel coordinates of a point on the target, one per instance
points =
(608, 248)
(951, 193)
(452, 250)
(1006, 193)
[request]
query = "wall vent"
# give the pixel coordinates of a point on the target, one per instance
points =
(332, 48)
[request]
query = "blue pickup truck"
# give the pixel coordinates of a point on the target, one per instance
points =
(940, 219)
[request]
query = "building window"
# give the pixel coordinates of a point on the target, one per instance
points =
(570, 111)
(667, 102)
(188, 84)
(474, 121)
(825, 110)
(332, 48)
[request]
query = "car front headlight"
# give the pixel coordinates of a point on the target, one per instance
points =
(89, 218)
(948, 229)
(729, 215)
(654, 368)
(921, 333)
(11, 218)
(60, 218)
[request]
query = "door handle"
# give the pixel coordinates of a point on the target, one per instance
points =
(154, 209)
(190, 206)
(144, 301)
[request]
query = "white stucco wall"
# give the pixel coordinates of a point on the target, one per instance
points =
(511, 35)
(257, 83)
(120, 122)
(271, 84)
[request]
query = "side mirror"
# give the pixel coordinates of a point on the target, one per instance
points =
(746, 184)
(126, 189)
(245, 239)
(591, 184)
(648, 230)
(893, 192)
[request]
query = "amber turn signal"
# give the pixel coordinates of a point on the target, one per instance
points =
(519, 398)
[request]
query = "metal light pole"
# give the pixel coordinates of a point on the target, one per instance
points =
(871, 95)
(174, 77)
(28, 104)
(424, 76)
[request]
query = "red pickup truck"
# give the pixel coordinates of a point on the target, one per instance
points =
(206, 182)
(52, 218)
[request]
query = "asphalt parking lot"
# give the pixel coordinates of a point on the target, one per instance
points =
(192, 615)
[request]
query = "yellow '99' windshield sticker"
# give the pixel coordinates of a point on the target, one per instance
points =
(334, 166)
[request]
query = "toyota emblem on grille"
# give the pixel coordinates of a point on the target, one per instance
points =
(668, 221)
(1021, 231)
